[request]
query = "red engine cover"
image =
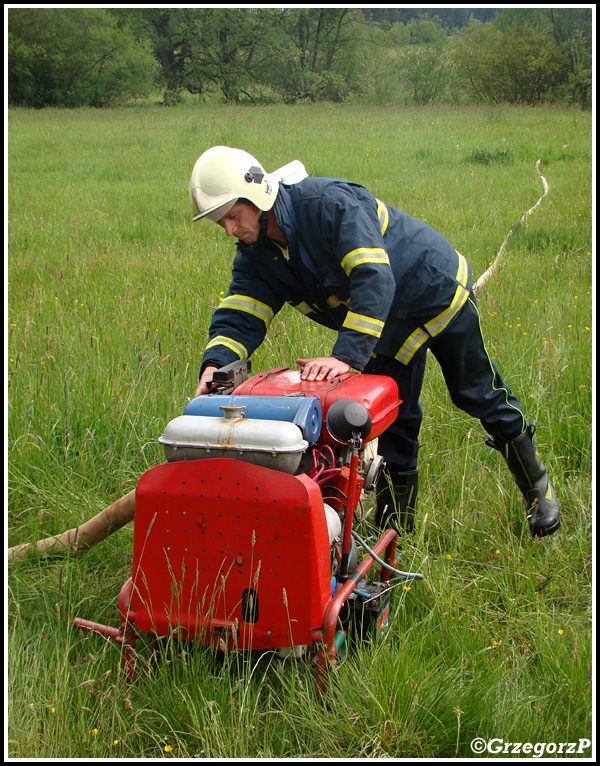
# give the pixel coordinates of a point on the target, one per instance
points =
(225, 551)
(378, 393)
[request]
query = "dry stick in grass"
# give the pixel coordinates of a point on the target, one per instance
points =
(88, 534)
(487, 274)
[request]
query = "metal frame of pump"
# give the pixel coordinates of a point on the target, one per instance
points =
(330, 637)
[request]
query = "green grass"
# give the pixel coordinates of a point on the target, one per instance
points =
(110, 294)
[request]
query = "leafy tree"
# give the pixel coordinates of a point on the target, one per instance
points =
(518, 65)
(166, 31)
(423, 69)
(425, 31)
(74, 57)
(450, 18)
(91, 56)
(316, 50)
(399, 34)
(229, 49)
(571, 30)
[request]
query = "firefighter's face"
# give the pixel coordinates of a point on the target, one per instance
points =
(242, 221)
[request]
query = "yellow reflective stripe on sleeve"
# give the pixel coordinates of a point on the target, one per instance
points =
(333, 302)
(441, 321)
(223, 340)
(362, 323)
(411, 345)
(384, 216)
(435, 326)
(463, 270)
(250, 306)
(303, 308)
(364, 255)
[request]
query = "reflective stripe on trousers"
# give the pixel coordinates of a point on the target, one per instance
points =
(473, 381)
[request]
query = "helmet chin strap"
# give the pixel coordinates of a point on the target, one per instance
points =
(262, 235)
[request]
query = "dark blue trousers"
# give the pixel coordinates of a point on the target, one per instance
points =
(473, 381)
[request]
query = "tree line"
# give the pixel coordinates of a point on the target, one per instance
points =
(73, 57)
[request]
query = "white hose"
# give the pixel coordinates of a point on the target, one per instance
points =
(486, 274)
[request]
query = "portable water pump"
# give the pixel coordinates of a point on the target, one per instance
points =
(243, 539)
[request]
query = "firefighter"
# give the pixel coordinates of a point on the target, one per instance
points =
(392, 288)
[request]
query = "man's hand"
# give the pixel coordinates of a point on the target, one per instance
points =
(205, 379)
(324, 367)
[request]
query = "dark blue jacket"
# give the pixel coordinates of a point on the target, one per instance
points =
(385, 281)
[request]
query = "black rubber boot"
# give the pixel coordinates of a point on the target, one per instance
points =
(543, 512)
(397, 500)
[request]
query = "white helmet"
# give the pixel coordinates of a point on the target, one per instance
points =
(221, 176)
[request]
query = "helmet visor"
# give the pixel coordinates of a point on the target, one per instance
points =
(210, 208)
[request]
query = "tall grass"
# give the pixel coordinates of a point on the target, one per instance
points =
(110, 294)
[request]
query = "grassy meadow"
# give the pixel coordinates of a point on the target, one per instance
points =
(109, 298)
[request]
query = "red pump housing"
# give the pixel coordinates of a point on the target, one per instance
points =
(378, 393)
(218, 550)
(238, 555)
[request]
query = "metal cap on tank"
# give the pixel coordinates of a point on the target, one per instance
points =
(347, 418)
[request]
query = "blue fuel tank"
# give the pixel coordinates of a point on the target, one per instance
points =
(303, 411)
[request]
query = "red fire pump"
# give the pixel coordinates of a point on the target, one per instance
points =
(243, 539)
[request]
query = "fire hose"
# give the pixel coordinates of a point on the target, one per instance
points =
(86, 535)
(495, 263)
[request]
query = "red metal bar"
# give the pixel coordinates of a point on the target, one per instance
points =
(351, 502)
(96, 627)
(124, 603)
(127, 630)
(125, 635)
(327, 654)
(390, 560)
